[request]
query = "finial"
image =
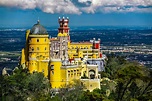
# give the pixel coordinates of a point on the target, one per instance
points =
(38, 21)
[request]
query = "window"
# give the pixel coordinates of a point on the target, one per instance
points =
(45, 48)
(32, 49)
(37, 40)
(52, 67)
(68, 73)
(37, 48)
(45, 40)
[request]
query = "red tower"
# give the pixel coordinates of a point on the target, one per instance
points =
(96, 43)
(63, 22)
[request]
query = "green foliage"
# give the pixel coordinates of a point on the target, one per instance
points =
(113, 65)
(107, 87)
(71, 91)
(126, 81)
(23, 85)
(92, 96)
(133, 81)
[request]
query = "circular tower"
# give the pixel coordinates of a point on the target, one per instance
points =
(38, 49)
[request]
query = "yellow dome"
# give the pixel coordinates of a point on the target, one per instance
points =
(65, 34)
(60, 34)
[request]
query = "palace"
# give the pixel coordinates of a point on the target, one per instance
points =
(61, 60)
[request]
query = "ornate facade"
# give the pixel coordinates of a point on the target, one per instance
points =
(61, 60)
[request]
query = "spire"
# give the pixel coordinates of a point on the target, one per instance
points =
(38, 21)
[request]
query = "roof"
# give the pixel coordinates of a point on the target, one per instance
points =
(38, 29)
(65, 34)
(54, 39)
(62, 34)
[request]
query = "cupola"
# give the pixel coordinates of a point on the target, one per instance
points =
(38, 29)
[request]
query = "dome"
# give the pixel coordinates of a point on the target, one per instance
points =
(38, 29)
(65, 34)
(60, 34)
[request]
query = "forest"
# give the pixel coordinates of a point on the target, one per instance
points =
(122, 80)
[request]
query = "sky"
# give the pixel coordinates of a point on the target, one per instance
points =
(25, 13)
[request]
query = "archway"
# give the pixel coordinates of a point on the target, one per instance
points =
(92, 74)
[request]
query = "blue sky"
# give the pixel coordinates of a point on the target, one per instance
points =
(14, 13)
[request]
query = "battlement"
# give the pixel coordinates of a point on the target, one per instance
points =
(63, 25)
(63, 22)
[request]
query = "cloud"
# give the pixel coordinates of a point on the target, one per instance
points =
(81, 6)
(118, 6)
(48, 6)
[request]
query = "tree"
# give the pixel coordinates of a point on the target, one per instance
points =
(133, 81)
(22, 86)
(113, 65)
(71, 92)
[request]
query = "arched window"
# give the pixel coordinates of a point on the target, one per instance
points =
(32, 49)
(92, 74)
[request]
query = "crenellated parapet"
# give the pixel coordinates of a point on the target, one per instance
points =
(63, 22)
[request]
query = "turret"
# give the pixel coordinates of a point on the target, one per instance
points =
(96, 43)
(63, 36)
(38, 49)
(63, 22)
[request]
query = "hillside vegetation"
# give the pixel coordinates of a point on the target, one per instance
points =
(122, 81)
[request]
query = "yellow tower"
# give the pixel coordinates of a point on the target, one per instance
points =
(55, 73)
(37, 49)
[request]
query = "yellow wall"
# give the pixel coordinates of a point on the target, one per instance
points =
(39, 45)
(38, 49)
(73, 73)
(80, 46)
(36, 53)
(55, 73)
(64, 81)
(79, 50)
(43, 67)
(90, 84)
(26, 48)
(27, 34)
(23, 57)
